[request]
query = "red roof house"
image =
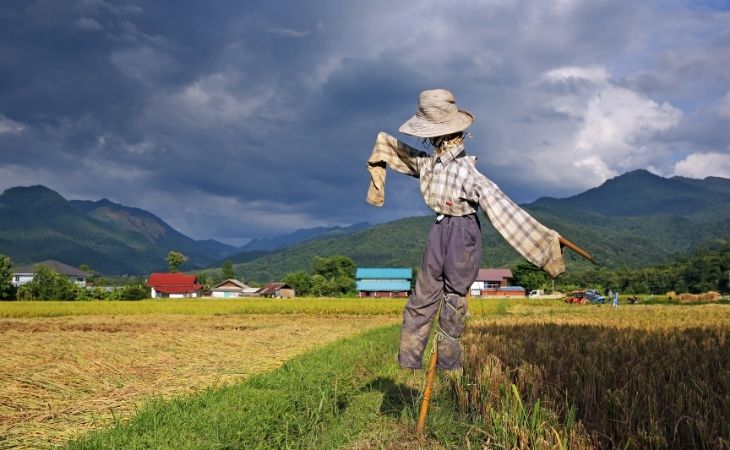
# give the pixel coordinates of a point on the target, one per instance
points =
(174, 285)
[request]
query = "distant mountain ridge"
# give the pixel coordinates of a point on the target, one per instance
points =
(36, 223)
(636, 219)
(153, 228)
(642, 193)
(301, 235)
(258, 248)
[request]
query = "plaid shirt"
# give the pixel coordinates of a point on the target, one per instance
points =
(451, 185)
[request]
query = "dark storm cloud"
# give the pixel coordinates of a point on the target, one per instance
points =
(245, 119)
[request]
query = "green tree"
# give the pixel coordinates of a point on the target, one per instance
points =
(134, 292)
(25, 293)
(228, 272)
(205, 280)
(320, 286)
(92, 274)
(7, 290)
(333, 267)
(48, 284)
(338, 273)
(175, 260)
(529, 276)
(301, 282)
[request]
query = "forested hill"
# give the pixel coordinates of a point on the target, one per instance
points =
(641, 193)
(635, 220)
(156, 230)
(36, 223)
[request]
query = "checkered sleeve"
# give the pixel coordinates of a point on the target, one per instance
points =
(534, 241)
(390, 152)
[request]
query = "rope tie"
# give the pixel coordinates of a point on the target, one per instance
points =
(441, 335)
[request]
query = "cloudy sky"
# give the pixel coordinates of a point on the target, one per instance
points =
(233, 120)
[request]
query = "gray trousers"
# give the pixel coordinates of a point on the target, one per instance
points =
(450, 265)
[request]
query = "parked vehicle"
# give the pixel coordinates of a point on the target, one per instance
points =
(587, 296)
(540, 294)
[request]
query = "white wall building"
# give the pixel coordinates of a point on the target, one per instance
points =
(24, 274)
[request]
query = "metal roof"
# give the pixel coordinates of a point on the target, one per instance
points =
(173, 283)
(59, 267)
(383, 285)
(494, 274)
(272, 288)
(237, 285)
(511, 288)
(387, 273)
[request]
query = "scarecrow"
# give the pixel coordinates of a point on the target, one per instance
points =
(454, 189)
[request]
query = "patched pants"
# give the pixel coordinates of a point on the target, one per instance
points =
(450, 266)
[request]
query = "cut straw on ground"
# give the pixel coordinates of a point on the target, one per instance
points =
(60, 377)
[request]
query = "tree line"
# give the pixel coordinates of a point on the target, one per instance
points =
(328, 277)
(47, 284)
(708, 269)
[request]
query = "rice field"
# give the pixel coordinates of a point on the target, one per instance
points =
(537, 374)
(647, 377)
(204, 306)
(63, 376)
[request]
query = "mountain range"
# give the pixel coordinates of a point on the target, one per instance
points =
(636, 219)
(37, 223)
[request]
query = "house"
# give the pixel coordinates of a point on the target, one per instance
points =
(230, 288)
(276, 290)
(383, 282)
(25, 274)
(506, 291)
(495, 283)
(174, 285)
(250, 292)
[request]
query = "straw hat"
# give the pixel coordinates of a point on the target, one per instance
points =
(437, 115)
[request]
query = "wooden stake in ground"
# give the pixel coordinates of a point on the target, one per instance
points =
(431, 374)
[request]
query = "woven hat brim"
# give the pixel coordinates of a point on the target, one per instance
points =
(416, 126)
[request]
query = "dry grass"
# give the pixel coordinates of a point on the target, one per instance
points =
(60, 377)
(638, 377)
(299, 305)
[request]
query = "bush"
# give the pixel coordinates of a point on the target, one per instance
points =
(48, 284)
(135, 292)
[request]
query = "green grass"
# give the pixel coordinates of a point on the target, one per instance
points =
(340, 394)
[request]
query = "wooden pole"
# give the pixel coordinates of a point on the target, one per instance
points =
(427, 391)
(578, 250)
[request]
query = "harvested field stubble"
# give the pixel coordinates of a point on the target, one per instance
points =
(638, 378)
(60, 377)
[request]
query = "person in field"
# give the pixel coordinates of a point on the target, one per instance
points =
(454, 189)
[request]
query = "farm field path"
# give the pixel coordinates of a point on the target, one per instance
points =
(61, 377)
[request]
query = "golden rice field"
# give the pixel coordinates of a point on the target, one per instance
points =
(204, 306)
(62, 376)
(641, 376)
(647, 377)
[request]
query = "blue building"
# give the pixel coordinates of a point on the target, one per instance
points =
(383, 282)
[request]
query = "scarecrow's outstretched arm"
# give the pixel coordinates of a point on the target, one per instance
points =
(534, 241)
(390, 152)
